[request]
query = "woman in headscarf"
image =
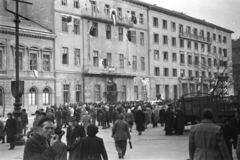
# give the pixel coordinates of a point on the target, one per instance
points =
(140, 120)
(129, 119)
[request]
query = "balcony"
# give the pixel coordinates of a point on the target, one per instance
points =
(198, 38)
(108, 71)
(102, 16)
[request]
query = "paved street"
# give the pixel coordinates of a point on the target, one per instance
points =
(152, 145)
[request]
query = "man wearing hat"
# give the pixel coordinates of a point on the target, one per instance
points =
(42, 145)
(74, 131)
(61, 147)
(36, 120)
(169, 120)
(11, 129)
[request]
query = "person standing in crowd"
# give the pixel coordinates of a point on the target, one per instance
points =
(179, 121)
(228, 134)
(2, 136)
(103, 120)
(74, 131)
(58, 115)
(64, 118)
(161, 116)
(99, 116)
(60, 147)
(115, 115)
(93, 114)
(206, 140)
(129, 119)
(140, 120)
(92, 147)
(107, 117)
(235, 122)
(51, 114)
(38, 146)
(68, 113)
(86, 120)
(24, 119)
(11, 129)
(36, 120)
(71, 111)
(120, 133)
(169, 120)
(155, 115)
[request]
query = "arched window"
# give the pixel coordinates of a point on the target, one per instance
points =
(32, 96)
(46, 96)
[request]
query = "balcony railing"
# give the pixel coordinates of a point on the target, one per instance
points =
(195, 37)
(105, 17)
(109, 71)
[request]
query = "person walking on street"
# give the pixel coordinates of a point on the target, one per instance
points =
(2, 136)
(235, 122)
(64, 118)
(74, 131)
(11, 129)
(120, 133)
(24, 120)
(129, 119)
(206, 140)
(38, 146)
(155, 115)
(86, 120)
(169, 121)
(92, 147)
(140, 120)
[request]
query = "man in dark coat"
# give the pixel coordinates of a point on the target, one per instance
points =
(74, 131)
(37, 147)
(228, 134)
(11, 129)
(161, 116)
(64, 118)
(140, 120)
(58, 115)
(104, 117)
(235, 122)
(99, 116)
(169, 121)
(92, 147)
(179, 121)
(24, 120)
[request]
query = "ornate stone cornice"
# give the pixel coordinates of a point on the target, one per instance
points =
(27, 33)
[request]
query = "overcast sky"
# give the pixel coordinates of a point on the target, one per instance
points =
(224, 13)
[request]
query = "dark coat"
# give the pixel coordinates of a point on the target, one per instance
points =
(228, 133)
(71, 137)
(236, 124)
(92, 148)
(1, 128)
(64, 115)
(161, 116)
(24, 119)
(206, 142)
(180, 119)
(36, 149)
(169, 120)
(11, 129)
(58, 115)
(140, 120)
(61, 149)
(120, 130)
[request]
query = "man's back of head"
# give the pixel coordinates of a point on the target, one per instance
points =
(207, 114)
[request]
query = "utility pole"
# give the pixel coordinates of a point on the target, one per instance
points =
(17, 86)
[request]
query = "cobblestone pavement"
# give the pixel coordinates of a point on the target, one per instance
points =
(151, 145)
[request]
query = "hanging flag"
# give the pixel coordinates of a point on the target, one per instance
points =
(113, 13)
(35, 72)
(129, 35)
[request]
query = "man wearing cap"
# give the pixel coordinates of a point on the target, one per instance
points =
(206, 140)
(38, 146)
(74, 131)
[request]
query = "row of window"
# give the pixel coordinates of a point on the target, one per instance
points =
(182, 73)
(221, 63)
(76, 3)
(32, 60)
(166, 90)
(189, 31)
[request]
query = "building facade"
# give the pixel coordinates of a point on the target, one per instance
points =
(236, 65)
(125, 50)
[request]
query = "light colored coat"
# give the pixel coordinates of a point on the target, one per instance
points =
(206, 142)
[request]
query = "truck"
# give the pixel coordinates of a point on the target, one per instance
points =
(193, 106)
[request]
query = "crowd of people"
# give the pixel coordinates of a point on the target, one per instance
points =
(82, 122)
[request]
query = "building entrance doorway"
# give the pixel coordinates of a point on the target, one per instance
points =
(111, 93)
